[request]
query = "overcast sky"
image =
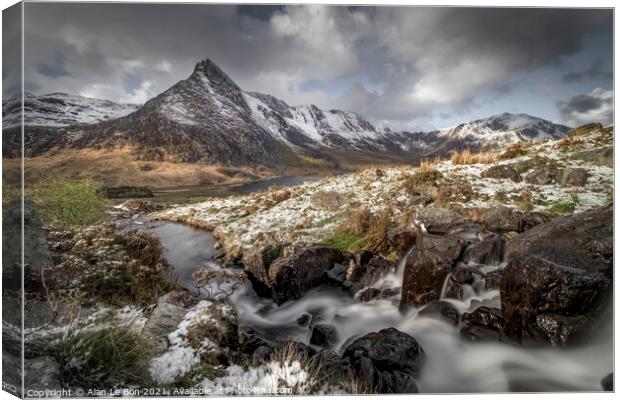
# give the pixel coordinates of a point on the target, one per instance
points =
(417, 67)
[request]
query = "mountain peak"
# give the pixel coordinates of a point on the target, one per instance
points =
(209, 69)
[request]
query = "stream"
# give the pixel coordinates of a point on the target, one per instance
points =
(452, 364)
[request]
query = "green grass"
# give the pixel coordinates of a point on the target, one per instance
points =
(109, 357)
(343, 241)
(565, 206)
(69, 202)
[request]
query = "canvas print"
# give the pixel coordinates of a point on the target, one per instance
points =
(227, 199)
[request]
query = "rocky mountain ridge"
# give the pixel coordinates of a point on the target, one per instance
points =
(208, 118)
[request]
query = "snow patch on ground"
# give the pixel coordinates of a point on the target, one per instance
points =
(181, 357)
(269, 379)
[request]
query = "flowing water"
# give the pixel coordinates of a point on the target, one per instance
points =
(453, 365)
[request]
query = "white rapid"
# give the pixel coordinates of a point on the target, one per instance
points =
(452, 364)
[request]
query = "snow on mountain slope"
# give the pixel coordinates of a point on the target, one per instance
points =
(496, 131)
(61, 109)
(308, 124)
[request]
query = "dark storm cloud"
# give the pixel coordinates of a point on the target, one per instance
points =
(422, 58)
(263, 12)
(53, 69)
(596, 106)
(583, 103)
(594, 72)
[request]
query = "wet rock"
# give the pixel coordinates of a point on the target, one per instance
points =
(364, 270)
(337, 274)
(324, 335)
(462, 275)
(501, 172)
(291, 276)
(163, 320)
(257, 265)
(543, 175)
(370, 294)
(608, 383)
(489, 251)
(389, 360)
(533, 219)
(493, 278)
(439, 220)
(305, 319)
(443, 310)
(603, 157)
(42, 373)
(573, 177)
(328, 360)
(251, 342)
(427, 267)
(468, 231)
(561, 329)
(578, 239)
(502, 219)
(548, 298)
(483, 324)
(401, 239)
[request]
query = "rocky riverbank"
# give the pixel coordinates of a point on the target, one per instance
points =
(383, 278)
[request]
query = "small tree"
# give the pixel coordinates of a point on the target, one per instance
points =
(218, 284)
(69, 201)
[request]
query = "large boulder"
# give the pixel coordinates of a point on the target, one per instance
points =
(365, 269)
(323, 335)
(427, 267)
(502, 219)
(584, 237)
(257, 265)
(389, 360)
(544, 301)
(489, 251)
(290, 277)
(502, 172)
(483, 324)
(602, 157)
(558, 279)
(438, 220)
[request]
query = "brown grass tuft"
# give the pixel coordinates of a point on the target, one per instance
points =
(466, 156)
(515, 150)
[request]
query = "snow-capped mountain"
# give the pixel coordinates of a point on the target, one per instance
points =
(61, 109)
(208, 118)
(203, 118)
(494, 132)
(308, 125)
